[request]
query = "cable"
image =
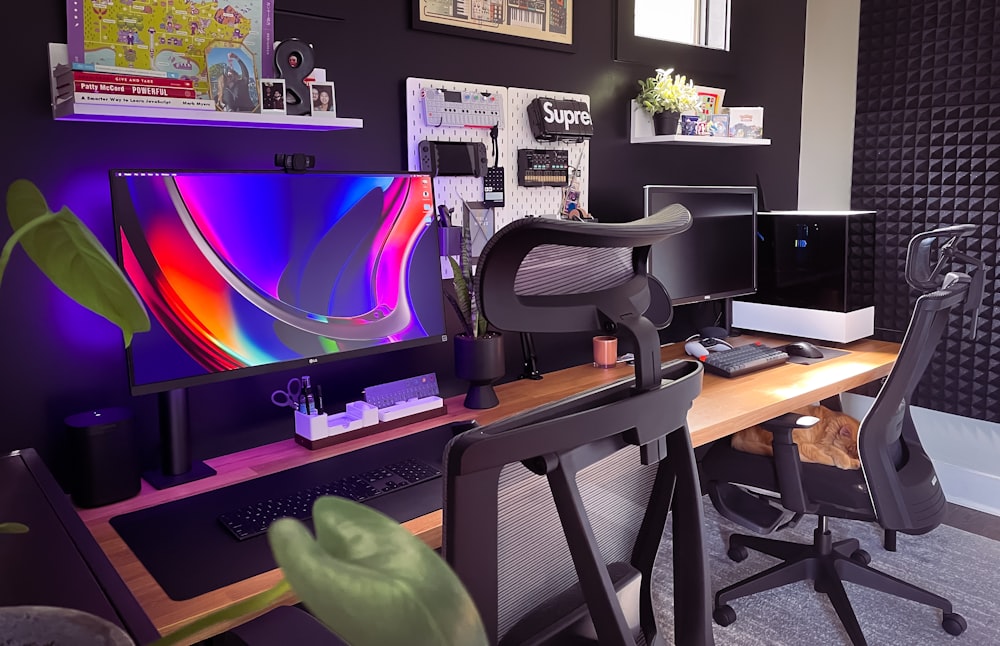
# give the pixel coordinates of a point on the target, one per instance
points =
(494, 135)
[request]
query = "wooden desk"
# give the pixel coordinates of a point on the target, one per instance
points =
(724, 407)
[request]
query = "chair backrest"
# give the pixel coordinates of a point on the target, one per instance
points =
(544, 509)
(905, 490)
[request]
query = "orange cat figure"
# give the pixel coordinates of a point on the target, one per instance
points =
(833, 441)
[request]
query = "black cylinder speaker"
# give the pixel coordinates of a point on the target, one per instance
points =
(104, 461)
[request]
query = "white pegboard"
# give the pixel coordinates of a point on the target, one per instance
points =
(538, 200)
(514, 133)
(451, 190)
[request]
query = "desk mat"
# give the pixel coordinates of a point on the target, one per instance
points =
(828, 353)
(189, 552)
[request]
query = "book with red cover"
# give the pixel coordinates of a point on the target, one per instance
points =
(129, 89)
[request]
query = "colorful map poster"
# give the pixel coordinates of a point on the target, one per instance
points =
(169, 37)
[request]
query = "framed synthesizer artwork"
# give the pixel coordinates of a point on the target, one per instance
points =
(535, 23)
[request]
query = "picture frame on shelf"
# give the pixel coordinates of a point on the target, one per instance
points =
(518, 22)
(710, 99)
(272, 96)
(323, 100)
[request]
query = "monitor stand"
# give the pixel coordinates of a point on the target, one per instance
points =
(177, 466)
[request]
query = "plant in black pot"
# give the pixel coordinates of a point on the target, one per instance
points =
(665, 96)
(479, 357)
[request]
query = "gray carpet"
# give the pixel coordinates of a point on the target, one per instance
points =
(955, 564)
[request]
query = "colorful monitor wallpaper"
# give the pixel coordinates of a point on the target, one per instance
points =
(255, 270)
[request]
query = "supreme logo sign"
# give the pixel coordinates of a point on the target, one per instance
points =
(560, 119)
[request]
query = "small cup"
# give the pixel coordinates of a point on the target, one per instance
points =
(605, 351)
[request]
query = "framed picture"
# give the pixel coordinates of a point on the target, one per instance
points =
(272, 96)
(535, 23)
(324, 103)
(710, 99)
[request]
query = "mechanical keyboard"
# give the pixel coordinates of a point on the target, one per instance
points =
(743, 359)
(253, 520)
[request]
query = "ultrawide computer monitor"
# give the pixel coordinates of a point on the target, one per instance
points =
(717, 257)
(247, 272)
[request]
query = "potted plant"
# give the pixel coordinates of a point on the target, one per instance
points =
(664, 97)
(479, 357)
(69, 254)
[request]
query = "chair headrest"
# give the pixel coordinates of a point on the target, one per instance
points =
(541, 275)
(929, 276)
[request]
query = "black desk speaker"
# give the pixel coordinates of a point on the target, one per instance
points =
(103, 459)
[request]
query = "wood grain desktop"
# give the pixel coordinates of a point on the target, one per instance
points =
(724, 407)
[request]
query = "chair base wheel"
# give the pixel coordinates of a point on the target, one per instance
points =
(861, 556)
(953, 623)
(737, 553)
(725, 615)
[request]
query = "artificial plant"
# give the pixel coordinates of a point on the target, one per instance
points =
(667, 92)
(464, 281)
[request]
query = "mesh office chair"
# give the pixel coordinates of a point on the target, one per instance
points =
(896, 486)
(552, 516)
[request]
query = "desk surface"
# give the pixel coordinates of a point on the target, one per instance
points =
(724, 407)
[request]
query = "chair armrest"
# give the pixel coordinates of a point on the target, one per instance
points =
(787, 464)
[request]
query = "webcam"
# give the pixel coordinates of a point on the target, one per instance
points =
(294, 163)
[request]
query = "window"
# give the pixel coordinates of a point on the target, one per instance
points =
(692, 22)
(688, 34)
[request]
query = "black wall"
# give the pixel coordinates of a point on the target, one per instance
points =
(927, 154)
(59, 358)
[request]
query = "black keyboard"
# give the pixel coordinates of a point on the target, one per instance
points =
(743, 359)
(253, 520)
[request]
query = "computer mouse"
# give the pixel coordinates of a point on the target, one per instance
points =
(803, 349)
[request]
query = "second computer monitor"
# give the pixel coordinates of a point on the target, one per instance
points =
(717, 257)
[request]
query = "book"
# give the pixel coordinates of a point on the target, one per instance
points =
(170, 39)
(95, 98)
(69, 76)
(113, 69)
(127, 90)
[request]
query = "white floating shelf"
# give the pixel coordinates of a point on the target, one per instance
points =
(700, 141)
(69, 111)
(641, 132)
(178, 116)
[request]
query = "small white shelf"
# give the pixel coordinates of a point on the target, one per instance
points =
(69, 111)
(700, 141)
(641, 132)
(178, 116)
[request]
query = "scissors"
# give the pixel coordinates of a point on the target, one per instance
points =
(289, 396)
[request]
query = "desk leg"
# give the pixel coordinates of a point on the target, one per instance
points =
(692, 588)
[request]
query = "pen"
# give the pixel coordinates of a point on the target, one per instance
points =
(319, 399)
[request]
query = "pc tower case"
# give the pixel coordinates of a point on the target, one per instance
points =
(815, 276)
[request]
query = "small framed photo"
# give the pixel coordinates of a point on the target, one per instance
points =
(324, 103)
(272, 96)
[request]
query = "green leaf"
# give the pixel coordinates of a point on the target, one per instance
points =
(462, 293)
(73, 259)
(371, 581)
(13, 528)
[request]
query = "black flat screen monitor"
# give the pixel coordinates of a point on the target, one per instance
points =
(248, 272)
(717, 257)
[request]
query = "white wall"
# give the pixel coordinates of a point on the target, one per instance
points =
(828, 102)
(963, 451)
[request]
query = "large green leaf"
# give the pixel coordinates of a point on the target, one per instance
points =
(73, 259)
(371, 581)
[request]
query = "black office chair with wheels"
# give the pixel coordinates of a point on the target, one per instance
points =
(553, 517)
(896, 485)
